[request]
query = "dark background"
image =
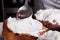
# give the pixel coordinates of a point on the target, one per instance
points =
(1, 14)
(9, 8)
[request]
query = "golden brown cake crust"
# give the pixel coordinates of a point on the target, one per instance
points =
(50, 25)
(9, 35)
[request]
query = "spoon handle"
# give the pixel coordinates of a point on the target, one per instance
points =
(26, 2)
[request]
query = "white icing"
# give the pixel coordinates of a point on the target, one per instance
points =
(50, 35)
(22, 8)
(49, 15)
(27, 25)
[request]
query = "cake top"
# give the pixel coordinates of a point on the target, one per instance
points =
(51, 15)
(27, 25)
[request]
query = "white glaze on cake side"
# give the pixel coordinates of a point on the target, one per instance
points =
(50, 35)
(49, 15)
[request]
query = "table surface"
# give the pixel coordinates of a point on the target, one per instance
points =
(1, 27)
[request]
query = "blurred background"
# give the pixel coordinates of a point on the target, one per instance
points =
(9, 8)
